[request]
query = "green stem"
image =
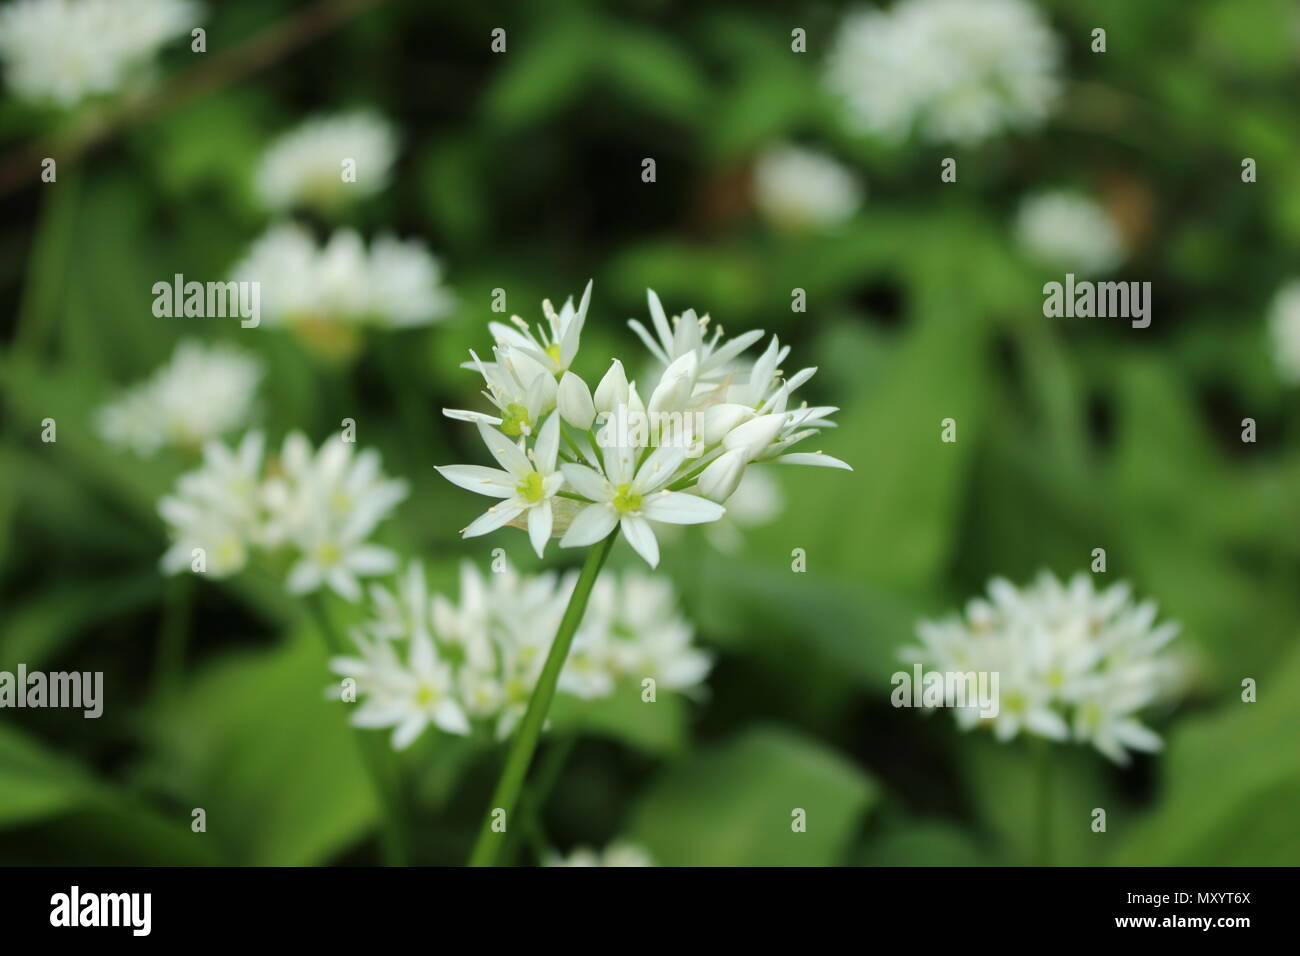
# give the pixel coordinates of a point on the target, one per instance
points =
(524, 744)
(173, 636)
(1044, 847)
(375, 755)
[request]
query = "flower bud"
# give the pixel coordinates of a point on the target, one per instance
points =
(719, 420)
(612, 390)
(719, 480)
(574, 402)
(754, 436)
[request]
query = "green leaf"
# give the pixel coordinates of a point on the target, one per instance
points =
(1231, 785)
(74, 817)
(732, 804)
(658, 727)
(542, 73)
(255, 742)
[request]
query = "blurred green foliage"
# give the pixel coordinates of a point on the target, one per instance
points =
(522, 170)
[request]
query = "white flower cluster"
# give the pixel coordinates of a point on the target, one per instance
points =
(393, 284)
(618, 853)
(202, 393)
(1284, 328)
(318, 508)
(425, 660)
(578, 463)
(799, 189)
(64, 51)
(952, 70)
(1070, 231)
(304, 167)
(1071, 661)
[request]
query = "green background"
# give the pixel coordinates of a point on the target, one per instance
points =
(522, 171)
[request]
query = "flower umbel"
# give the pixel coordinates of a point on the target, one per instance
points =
(315, 510)
(427, 660)
(577, 463)
(1073, 662)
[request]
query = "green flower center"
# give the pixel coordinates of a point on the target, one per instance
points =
(515, 419)
(553, 352)
(329, 554)
(625, 499)
(425, 695)
(531, 488)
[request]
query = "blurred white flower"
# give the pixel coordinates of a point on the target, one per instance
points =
(1284, 328)
(951, 70)
(215, 512)
(630, 463)
(204, 392)
(425, 659)
(799, 189)
(1072, 661)
(1069, 231)
(325, 292)
(65, 51)
(324, 507)
(318, 508)
(305, 167)
(618, 853)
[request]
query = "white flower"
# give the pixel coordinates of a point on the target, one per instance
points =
(215, 510)
(1070, 231)
(627, 463)
(629, 498)
(324, 292)
(319, 507)
(406, 696)
(688, 335)
(1284, 329)
(325, 507)
(554, 345)
(618, 853)
(474, 661)
(524, 483)
(797, 188)
(65, 51)
(953, 70)
(1070, 660)
(305, 165)
(202, 393)
(521, 389)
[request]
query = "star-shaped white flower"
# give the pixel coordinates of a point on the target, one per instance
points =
(630, 498)
(523, 484)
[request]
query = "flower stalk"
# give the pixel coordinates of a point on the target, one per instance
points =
(522, 748)
(374, 755)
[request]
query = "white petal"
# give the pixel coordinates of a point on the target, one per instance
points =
(539, 525)
(587, 482)
(505, 451)
(812, 458)
(677, 507)
(481, 480)
(370, 560)
(303, 578)
(449, 717)
(548, 445)
(641, 537)
(593, 523)
(493, 518)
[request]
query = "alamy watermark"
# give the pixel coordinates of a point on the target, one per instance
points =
(208, 300)
(75, 689)
(960, 689)
(1104, 300)
(632, 428)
